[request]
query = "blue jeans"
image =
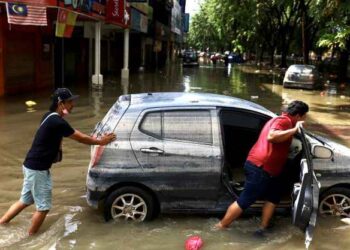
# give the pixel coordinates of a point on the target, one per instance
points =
(258, 185)
(37, 188)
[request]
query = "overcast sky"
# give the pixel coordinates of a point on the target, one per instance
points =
(192, 6)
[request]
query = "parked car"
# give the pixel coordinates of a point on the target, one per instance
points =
(232, 58)
(302, 76)
(184, 153)
(235, 58)
(190, 58)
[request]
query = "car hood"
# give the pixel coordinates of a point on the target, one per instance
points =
(340, 163)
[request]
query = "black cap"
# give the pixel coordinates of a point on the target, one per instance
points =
(63, 94)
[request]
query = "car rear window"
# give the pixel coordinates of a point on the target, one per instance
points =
(111, 119)
(304, 69)
(151, 124)
(188, 126)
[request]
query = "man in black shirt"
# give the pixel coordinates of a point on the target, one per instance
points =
(46, 150)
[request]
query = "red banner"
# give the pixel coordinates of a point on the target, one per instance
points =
(35, 2)
(118, 12)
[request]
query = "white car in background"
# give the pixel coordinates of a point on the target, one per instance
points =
(302, 76)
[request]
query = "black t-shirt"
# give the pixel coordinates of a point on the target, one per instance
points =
(47, 142)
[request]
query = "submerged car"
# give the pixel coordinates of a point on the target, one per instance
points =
(190, 58)
(302, 76)
(184, 153)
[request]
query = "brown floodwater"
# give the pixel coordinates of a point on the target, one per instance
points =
(71, 224)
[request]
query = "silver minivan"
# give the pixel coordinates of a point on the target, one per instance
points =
(184, 153)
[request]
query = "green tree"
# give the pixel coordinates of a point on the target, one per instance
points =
(274, 26)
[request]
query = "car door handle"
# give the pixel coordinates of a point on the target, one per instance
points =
(152, 150)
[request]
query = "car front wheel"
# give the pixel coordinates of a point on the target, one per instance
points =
(335, 201)
(129, 204)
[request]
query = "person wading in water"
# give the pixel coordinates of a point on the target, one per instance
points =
(46, 150)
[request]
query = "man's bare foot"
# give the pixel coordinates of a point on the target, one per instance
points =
(2, 222)
(220, 226)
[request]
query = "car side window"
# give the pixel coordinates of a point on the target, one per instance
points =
(151, 124)
(241, 120)
(188, 125)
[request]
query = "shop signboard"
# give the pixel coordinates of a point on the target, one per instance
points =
(95, 8)
(140, 5)
(162, 31)
(176, 23)
(139, 22)
(118, 12)
(34, 2)
(185, 22)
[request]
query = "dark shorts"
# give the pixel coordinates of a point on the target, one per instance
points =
(259, 185)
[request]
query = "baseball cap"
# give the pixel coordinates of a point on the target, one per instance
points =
(63, 94)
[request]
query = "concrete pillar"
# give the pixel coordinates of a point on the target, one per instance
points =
(108, 55)
(2, 65)
(143, 51)
(125, 86)
(97, 78)
(125, 70)
(91, 51)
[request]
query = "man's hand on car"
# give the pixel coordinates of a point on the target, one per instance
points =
(108, 138)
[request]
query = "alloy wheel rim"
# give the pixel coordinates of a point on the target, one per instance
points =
(129, 207)
(335, 204)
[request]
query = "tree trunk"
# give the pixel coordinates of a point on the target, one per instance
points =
(343, 63)
(284, 49)
(272, 51)
(261, 56)
(305, 42)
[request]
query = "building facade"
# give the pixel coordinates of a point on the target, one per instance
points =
(32, 57)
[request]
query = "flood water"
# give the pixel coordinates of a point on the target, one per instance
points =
(71, 224)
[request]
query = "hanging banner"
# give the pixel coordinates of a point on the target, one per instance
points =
(118, 12)
(65, 23)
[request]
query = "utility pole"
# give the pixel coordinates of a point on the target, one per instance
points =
(303, 34)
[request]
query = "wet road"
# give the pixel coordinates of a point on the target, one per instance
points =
(73, 225)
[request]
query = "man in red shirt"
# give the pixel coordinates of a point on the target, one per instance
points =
(265, 163)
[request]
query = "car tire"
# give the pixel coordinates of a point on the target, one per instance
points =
(336, 202)
(129, 204)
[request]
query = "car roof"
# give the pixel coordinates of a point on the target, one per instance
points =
(183, 99)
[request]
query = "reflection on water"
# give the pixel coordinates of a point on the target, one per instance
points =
(73, 225)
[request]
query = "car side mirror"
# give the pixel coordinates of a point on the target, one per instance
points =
(321, 152)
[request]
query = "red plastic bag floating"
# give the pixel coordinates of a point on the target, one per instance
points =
(193, 243)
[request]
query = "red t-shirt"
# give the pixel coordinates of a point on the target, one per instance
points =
(272, 156)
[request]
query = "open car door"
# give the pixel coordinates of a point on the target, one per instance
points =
(306, 194)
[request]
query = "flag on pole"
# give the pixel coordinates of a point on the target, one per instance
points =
(65, 23)
(26, 14)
